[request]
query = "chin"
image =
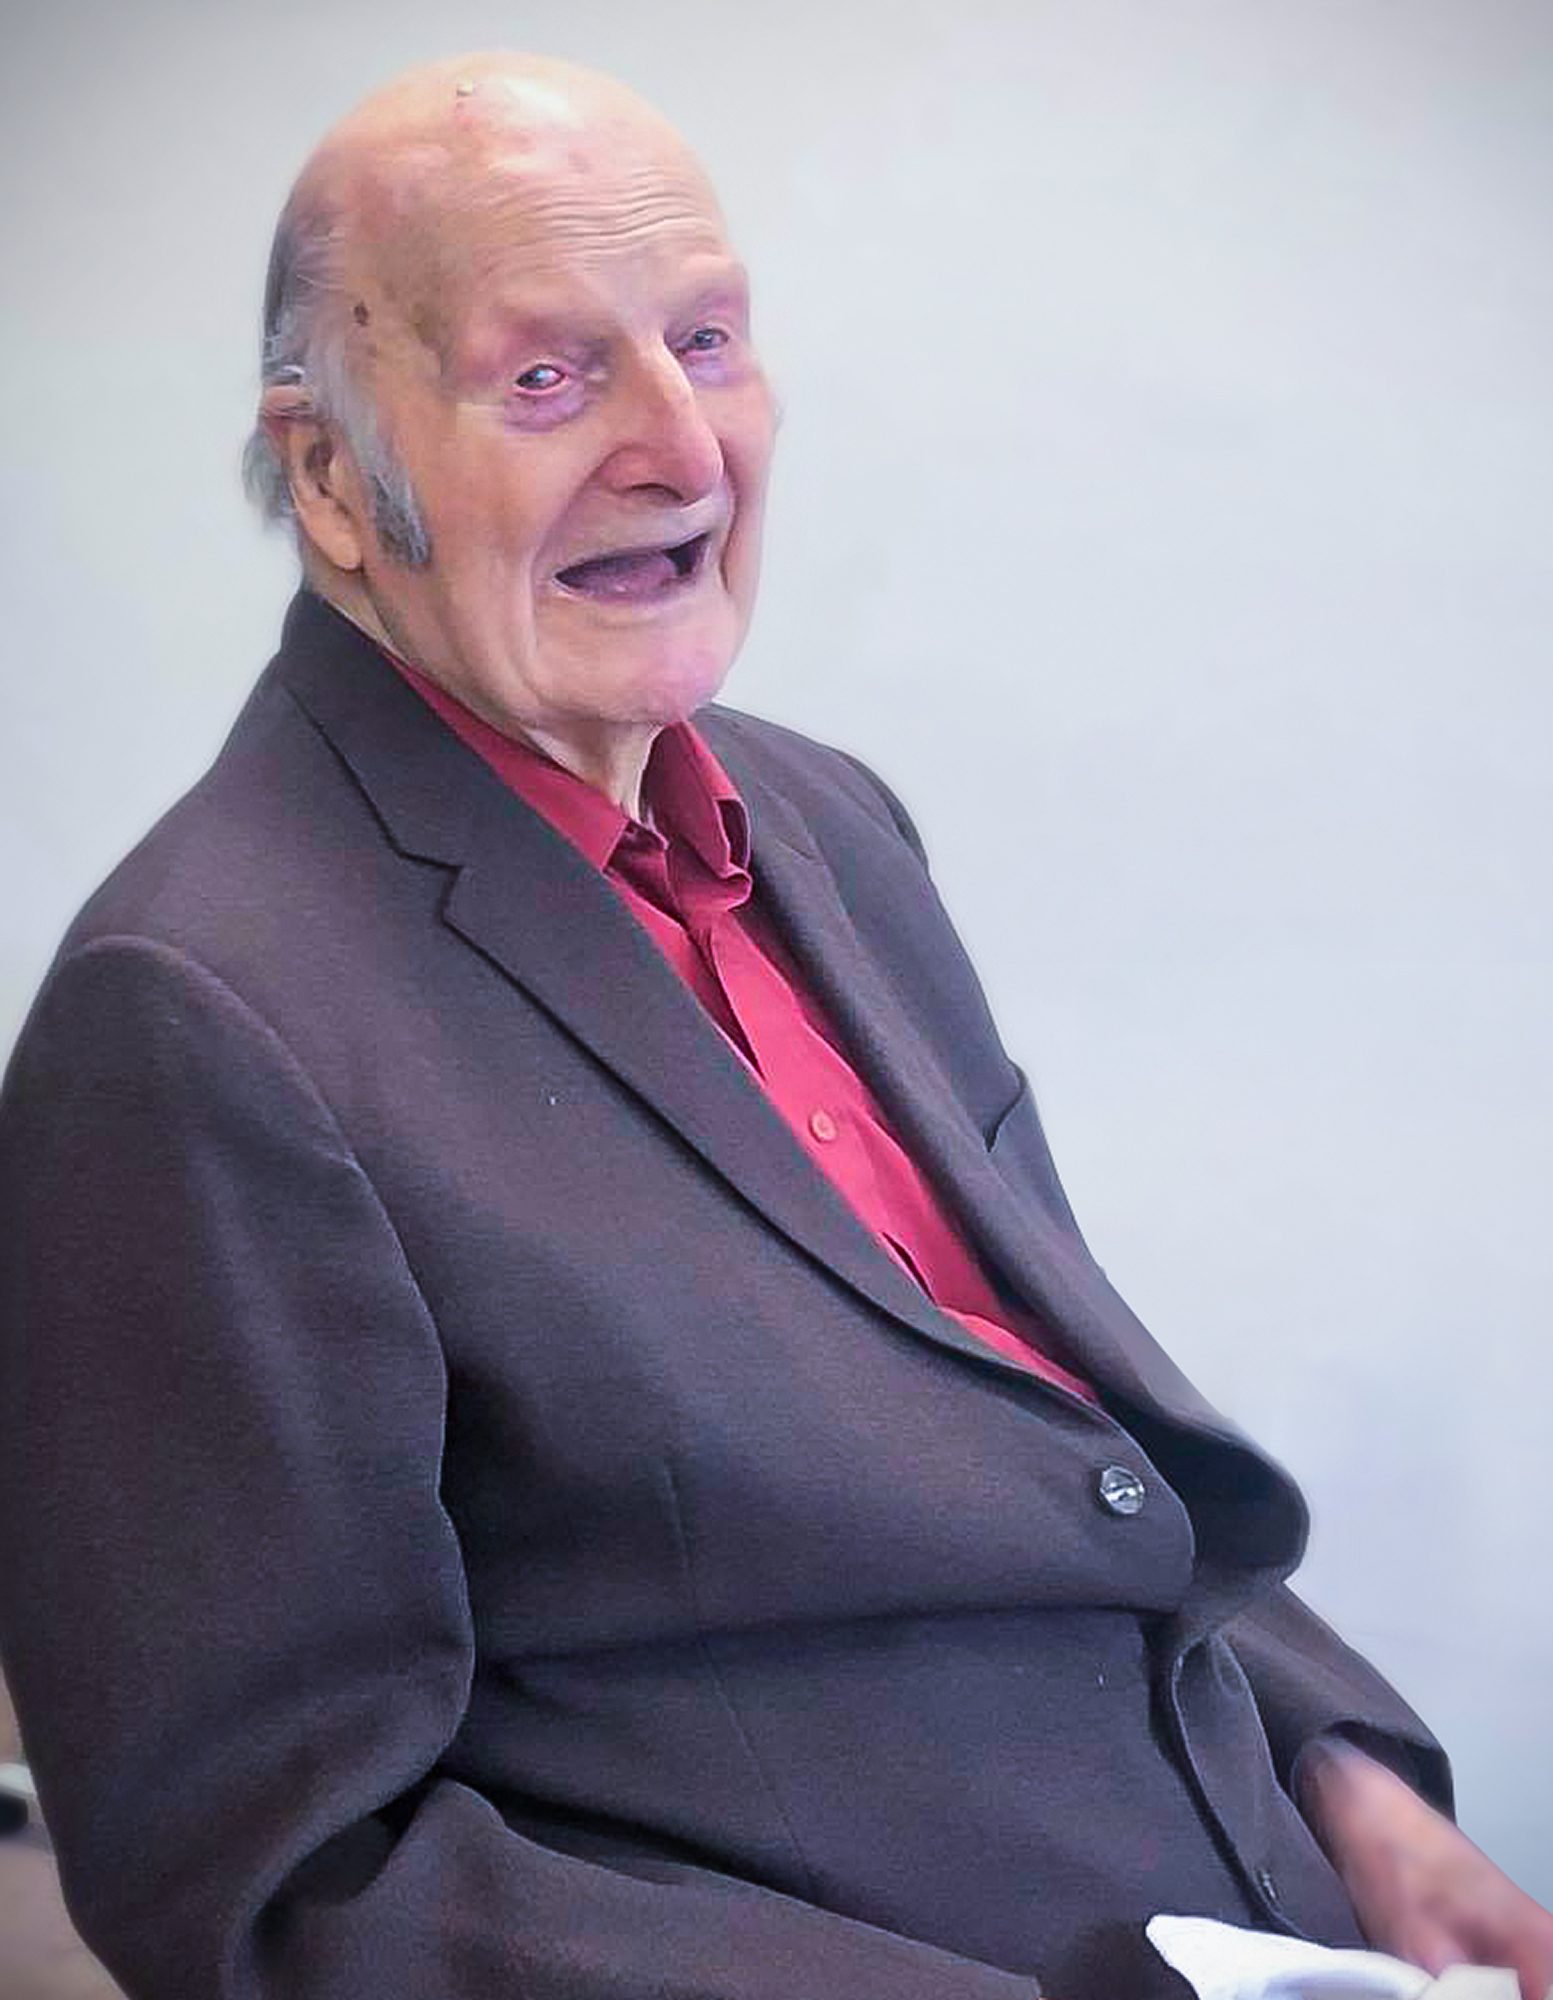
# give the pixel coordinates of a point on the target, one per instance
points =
(675, 680)
(675, 697)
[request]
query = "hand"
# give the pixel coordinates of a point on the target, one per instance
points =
(1421, 1890)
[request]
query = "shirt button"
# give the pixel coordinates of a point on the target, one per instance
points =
(823, 1126)
(1120, 1490)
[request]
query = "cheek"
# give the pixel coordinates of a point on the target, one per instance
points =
(748, 442)
(500, 498)
(747, 454)
(505, 523)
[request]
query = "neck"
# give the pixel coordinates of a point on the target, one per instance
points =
(611, 757)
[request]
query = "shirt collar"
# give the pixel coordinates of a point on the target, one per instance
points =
(686, 793)
(691, 798)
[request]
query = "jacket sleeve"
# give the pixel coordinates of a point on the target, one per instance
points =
(1307, 1683)
(232, 1606)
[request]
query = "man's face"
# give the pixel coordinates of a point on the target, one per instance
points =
(559, 353)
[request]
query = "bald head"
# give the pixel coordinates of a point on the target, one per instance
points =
(479, 105)
(462, 162)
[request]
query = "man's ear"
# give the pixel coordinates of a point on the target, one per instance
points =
(325, 488)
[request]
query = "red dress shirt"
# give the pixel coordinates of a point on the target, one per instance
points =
(685, 876)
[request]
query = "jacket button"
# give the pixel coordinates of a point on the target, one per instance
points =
(1120, 1490)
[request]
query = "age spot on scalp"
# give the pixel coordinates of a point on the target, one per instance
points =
(359, 313)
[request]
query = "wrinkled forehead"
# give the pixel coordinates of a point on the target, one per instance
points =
(496, 207)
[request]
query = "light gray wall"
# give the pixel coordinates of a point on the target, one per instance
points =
(1164, 506)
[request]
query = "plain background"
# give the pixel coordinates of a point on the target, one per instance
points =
(1163, 506)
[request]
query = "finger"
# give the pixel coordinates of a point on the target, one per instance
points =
(1434, 1946)
(1512, 1930)
(1534, 1969)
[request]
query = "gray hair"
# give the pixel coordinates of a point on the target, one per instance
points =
(304, 346)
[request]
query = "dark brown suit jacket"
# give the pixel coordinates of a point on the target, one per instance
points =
(479, 1517)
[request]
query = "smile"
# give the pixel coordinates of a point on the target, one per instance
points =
(636, 576)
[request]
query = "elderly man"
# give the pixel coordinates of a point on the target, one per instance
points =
(562, 1439)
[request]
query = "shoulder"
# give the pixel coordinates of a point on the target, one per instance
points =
(239, 825)
(260, 878)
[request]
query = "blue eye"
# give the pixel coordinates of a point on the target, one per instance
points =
(706, 339)
(543, 375)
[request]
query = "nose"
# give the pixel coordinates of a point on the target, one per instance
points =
(667, 450)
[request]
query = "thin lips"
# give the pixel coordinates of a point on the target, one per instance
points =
(657, 545)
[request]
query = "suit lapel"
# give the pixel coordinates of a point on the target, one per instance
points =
(535, 908)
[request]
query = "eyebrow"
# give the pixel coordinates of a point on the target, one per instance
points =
(730, 289)
(499, 329)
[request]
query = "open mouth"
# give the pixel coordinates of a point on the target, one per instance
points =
(636, 576)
